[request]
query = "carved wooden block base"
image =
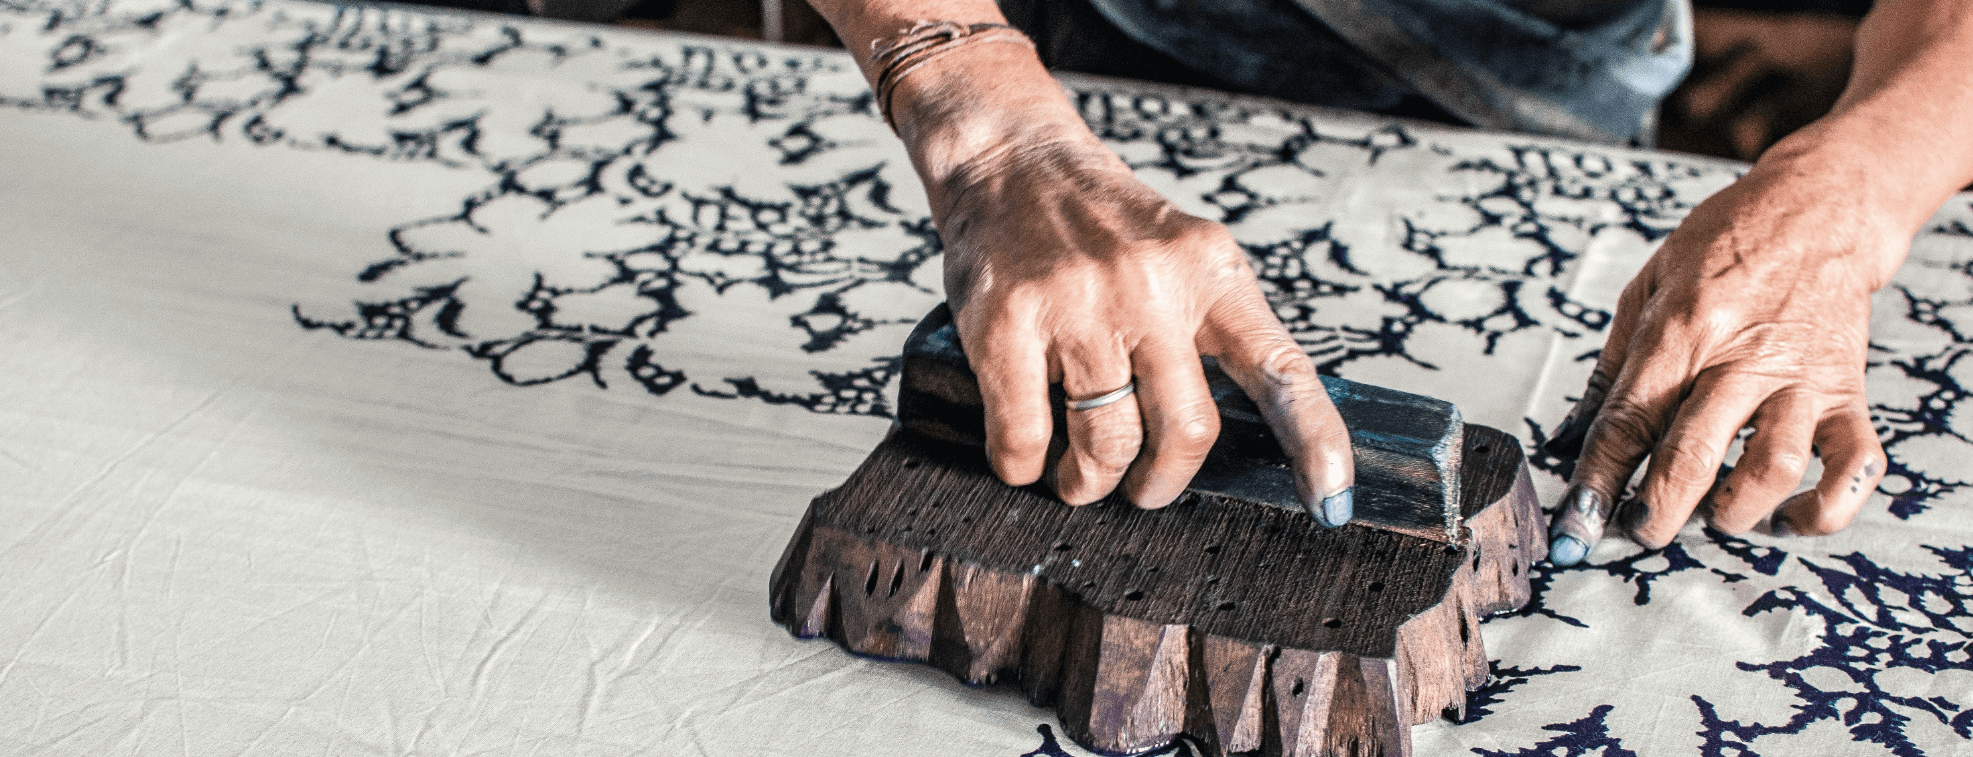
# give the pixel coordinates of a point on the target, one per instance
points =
(1243, 626)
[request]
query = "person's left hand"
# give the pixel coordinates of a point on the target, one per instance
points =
(1755, 312)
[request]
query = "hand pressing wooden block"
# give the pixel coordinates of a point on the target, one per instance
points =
(1229, 616)
(1407, 446)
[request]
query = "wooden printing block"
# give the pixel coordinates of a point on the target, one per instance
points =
(1229, 617)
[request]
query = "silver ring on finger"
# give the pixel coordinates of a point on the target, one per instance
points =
(1105, 398)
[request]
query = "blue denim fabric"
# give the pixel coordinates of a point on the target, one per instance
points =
(1592, 69)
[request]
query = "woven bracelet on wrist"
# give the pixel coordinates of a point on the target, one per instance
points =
(897, 56)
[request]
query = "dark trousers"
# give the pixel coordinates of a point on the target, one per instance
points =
(1071, 35)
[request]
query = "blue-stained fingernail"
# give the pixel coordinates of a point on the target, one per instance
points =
(1336, 509)
(1566, 550)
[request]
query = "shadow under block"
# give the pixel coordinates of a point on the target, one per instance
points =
(1238, 623)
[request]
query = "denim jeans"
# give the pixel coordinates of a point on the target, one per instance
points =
(1592, 69)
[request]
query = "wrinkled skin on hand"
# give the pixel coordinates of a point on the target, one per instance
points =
(1755, 312)
(1063, 268)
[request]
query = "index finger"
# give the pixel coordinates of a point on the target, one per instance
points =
(1628, 425)
(1257, 352)
(1568, 436)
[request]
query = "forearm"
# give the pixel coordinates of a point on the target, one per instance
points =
(1903, 128)
(965, 106)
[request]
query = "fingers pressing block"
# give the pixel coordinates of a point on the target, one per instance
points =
(1180, 423)
(1154, 439)
(1062, 266)
(1259, 354)
(1102, 440)
(1013, 376)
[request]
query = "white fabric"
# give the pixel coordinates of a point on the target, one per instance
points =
(518, 491)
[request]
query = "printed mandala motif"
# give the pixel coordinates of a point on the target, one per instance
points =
(665, 193)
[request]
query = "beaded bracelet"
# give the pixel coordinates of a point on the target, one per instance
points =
(897, 56)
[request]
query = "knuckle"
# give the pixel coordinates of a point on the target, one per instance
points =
(1286, 365)
(1021, 438)
(1193, 231)
(1735, 515)
(1718, 318)
(1654, 531)
(1636, 292)
(1214, 245)
(1191, 434)
(1600, 381)
(1112, 446)
(994, 309)
(1688, 460)
(1775, 468)
(1621, 433)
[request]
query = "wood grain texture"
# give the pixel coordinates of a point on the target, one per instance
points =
(1238, 624)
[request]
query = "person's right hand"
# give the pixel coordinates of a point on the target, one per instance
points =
(1755, 312)
(1061, 267)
